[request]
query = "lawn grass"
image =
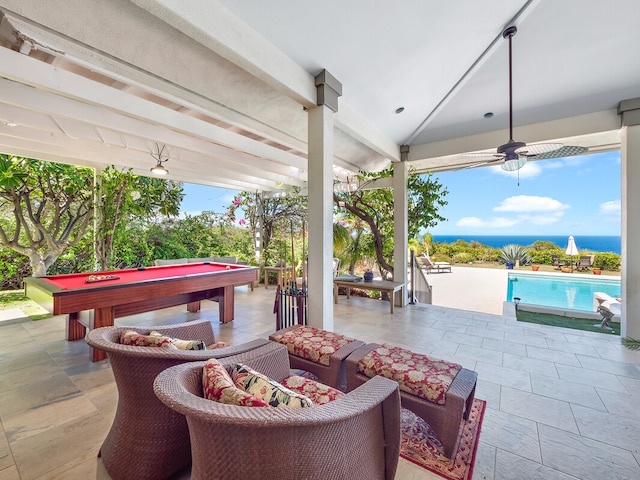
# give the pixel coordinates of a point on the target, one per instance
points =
(566, 322)
(17, 299)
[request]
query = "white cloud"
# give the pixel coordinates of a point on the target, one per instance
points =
(496, 222)
(526, 209)
(611, 207)
(546, 219)
(531, 204)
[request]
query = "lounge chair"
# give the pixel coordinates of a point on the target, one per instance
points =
(555, 262)
(585, 262)
(427, 264)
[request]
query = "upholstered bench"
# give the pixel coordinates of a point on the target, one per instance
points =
(440, 392)
(318, 351)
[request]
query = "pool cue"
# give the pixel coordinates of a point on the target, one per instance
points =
(293, 258)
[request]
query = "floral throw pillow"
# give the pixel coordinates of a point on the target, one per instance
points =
(268, 390)
(131, 337)
(319, 393)
(182, 344)
(218, 386)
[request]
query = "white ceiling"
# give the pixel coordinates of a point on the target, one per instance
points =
(223, 84)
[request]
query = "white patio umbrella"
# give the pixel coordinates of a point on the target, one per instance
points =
(572, 249)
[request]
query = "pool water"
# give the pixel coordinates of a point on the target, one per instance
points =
(556, 291)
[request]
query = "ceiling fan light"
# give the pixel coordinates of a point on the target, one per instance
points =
(514, 164)
(159, 169)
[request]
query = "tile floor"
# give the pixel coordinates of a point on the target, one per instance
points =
(561, 404)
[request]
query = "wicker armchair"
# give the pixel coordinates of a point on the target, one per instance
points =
(147, 440)
(354, 437)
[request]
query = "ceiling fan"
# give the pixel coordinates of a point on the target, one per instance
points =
(512, 154)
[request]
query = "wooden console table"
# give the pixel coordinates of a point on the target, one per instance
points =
(394, 289)
(279, 271)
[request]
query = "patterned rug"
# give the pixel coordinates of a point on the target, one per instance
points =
(419, 445)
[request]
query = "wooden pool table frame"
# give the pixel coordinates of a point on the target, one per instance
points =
(100, 304)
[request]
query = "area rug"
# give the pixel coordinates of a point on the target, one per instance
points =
(419, 445)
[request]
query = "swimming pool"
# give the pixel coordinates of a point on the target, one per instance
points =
(574, 292)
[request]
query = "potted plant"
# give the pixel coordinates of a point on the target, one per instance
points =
(512, 255)
(368, 276)
(535, 268)
(597, 271)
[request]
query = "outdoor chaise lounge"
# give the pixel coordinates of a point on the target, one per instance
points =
(147, 440)
(430, 266)
(585, 262)
(356, 436)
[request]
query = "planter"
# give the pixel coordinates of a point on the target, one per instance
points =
(368, 276)
(566, 270)
(510, 266)
(597, 272)
(535, 268)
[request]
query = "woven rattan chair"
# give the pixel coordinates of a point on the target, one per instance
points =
(147, 440)
(354, 437)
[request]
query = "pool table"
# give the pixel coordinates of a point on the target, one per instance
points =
(119, 293)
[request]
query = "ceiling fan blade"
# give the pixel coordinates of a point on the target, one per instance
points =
(538, 148)
(483, 155)
(565, 151)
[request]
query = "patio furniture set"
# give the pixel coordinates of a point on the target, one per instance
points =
(165, 426)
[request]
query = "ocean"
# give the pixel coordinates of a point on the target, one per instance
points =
(595, 243)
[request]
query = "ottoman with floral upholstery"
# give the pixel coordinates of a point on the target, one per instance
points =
(318, 351)
(438, 391)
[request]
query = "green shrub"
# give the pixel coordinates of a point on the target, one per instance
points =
(544, 256)
(514, 254)
(440, 257)
(13, 268)
(463, 257)
(607, 261)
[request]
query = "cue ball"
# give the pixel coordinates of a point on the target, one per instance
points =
(228, 267)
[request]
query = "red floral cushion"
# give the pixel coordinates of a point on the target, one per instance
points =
(218, 386)
(131, 337)
(275, 394)
(319, 393)
(312, 343)
(418, 374)
(213, 346)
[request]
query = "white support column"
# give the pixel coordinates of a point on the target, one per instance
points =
(320, 290)
(630, 146)
(401, 220)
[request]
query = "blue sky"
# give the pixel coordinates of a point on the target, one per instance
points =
(567, 196)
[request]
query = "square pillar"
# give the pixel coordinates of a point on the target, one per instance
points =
(320, 296)
(401, 220)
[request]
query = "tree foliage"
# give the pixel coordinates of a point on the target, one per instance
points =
(374, 207)
(270, 215)
(125, 200)
(46, 206)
